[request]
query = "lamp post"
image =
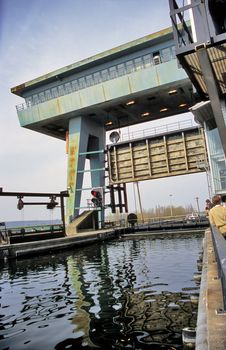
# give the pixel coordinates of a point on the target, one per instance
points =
(203, 164)
(141, 209)
(197, 200)
(171, 206)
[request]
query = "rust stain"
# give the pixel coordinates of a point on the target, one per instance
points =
(129, 83)
(157, 77)
(103, 92)
(59, 106)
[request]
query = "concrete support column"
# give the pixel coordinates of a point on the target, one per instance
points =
(85, 138)
(213, 89)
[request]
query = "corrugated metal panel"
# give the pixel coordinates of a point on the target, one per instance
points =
(218, 59)
(192, 61)
(217, 55)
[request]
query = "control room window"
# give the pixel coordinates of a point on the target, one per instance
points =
(121, 69)
(113, 72)
(166, 54)
(68, 87)
(147, 60)
(41, 97)
(35, 99)
(54, 92)
(97, 78)
(104, 75)
(129, 66)
(28, 101)
(138, 62)
(89, 80)
(173, 50)
(82, 83)
(75, 85)
(156, 58)
(48, 94)
(61, 90)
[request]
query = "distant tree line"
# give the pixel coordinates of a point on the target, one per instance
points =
(168, 210)
(157, 212)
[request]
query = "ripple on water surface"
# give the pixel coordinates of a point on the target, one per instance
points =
(132, 293)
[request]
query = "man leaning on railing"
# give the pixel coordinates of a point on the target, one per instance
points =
(217, 214)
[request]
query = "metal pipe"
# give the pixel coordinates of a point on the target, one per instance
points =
(33, 194)
(139, 198)
(171, 205)
(197, 200)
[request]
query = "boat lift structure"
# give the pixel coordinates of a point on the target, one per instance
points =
(136, 82)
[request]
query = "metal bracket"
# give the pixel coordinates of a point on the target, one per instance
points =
(215, 278)
(200, 46)
(220, 312)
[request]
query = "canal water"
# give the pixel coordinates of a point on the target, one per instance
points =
(131, 293)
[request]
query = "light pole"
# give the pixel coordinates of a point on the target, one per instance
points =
(197, 200)
(141, 210)
(202, 164)
(171, 205)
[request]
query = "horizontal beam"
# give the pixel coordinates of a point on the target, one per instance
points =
(32, 194)
(90, 170)
(91, 152)
(39, 203)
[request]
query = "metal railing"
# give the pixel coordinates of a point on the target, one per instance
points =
(9, 232)
(158, 130)
(150, 222)
(219, 243)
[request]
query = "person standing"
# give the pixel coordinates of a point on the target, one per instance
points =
(208, 206)
(217, 214)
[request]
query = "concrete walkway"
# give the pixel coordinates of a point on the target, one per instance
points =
(211, 323)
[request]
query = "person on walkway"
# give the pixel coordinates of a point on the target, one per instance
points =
(208, 206)
(217, 214)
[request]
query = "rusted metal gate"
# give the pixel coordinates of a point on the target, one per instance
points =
(176, 153)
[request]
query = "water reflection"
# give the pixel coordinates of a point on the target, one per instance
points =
(133, 293)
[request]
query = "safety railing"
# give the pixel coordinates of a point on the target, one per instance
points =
(159, 221)
(219, 243)
(158, 130)
(8, 233)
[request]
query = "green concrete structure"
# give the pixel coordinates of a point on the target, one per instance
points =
(136, 82)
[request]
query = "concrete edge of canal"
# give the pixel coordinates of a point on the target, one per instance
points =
(20, 250)
(211, 322)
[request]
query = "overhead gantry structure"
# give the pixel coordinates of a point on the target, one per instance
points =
(130, 84)
(136, 82)
(200, 37)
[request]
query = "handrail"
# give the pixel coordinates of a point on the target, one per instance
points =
(219, 243)
(162, 129)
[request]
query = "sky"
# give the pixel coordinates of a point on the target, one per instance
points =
(39, 36)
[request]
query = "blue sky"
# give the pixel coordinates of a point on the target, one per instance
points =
(39, 36)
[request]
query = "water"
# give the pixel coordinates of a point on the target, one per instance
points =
(132, 293)
(30, 223)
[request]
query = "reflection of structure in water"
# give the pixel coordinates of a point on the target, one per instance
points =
(102, 296)
(160, 317)
(119, 314)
